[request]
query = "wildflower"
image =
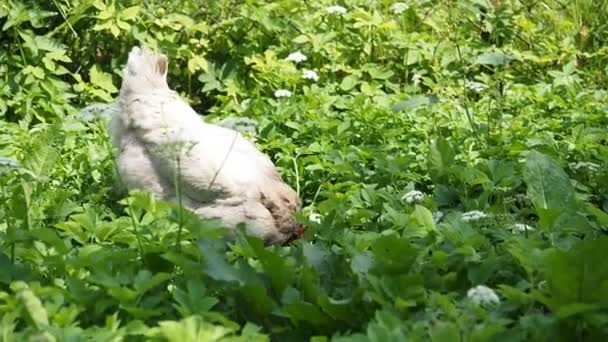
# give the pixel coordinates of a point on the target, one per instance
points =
(336, 9)
(473, 215)
(437, 216)
(477, 87)
(413, 196)
(296, 57)
(593, 167)
(520, 227)
(310, 75)
(282, 93)
(416, 78)
(399, 7)
(482, 294)
(314, 217)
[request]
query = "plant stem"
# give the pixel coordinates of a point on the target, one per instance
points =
(9, 227)
(178, 190)
(137, 235)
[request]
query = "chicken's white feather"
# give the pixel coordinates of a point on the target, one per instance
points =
(223, 174)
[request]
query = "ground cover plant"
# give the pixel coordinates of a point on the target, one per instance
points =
(451, 156)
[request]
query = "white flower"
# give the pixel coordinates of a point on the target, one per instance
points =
(399, 7)
(413, 196)
(593, 167)
(282, 93)
(314, 217)
(437, 216)
(296, 57)
(336, 9)
(520, 227)
(482, 294)
(477, 87)
(416, 78)
(473, 215)
(310, 75)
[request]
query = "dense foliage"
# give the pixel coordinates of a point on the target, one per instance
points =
(451, 156)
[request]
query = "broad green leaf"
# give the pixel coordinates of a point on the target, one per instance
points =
(215, 264)
(441, 157)
(424, 217)
(493, 58)
(579, 277)
(548, 185)
(411, 103)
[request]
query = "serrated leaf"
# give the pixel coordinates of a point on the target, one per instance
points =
(102, 80)
(32, 304)
(441, 156)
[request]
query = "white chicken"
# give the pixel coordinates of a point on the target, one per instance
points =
(223, 175)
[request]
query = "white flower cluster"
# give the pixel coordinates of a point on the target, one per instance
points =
(314, 217)
(593, 167)
(413, 196)
(296, 57)
(282, 93)
(437, 216)
(399, 7)
(336, 9)
(416, 79)
(477, 87)
(520, 227)
(473, 215)
(310, 75)
(482, 295)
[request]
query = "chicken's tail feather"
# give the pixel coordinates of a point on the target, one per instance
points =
(145, 71)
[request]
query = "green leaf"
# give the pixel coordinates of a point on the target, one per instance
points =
(215, 264)
(33, 306)
(349, 82)
(579, 277)
(275, 266)
(548, 185)
(445, 331)
(50, 237)
(102, 80)
(130, 13)
(393, 254)
(424, 217)
(494, 58)
(307, 312)
(301, 39)
(412, 103)
(145, 281)
(441, 157)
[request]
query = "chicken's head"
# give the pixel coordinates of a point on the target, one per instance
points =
(145, 71)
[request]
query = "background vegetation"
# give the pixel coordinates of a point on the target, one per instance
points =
(493, 112)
